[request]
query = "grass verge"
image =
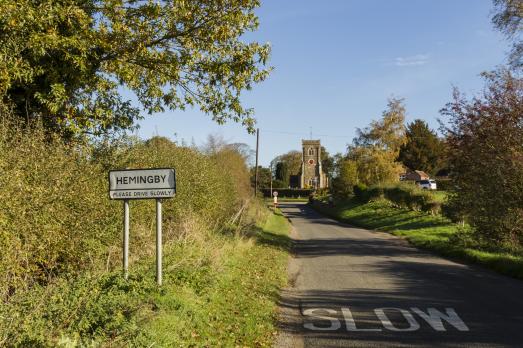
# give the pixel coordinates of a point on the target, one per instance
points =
(230, 300)
(220, 290)
(432, 232)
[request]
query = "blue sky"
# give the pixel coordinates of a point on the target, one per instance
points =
(337, 62)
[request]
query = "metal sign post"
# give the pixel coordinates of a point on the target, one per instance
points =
(159, 241)
(158, 183)
(126, 238)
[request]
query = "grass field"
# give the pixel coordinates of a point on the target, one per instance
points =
(432, 232)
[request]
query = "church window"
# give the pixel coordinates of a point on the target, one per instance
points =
(311, 152)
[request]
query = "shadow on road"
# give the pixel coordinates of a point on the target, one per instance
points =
(399, 276)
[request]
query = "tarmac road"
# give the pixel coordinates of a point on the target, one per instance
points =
(357, 288)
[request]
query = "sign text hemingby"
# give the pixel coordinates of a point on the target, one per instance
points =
(142, 183)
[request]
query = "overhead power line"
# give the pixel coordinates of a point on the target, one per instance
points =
(305, 135)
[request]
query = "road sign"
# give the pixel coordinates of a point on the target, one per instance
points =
(275, 193)
(156, 183)
(142, 183)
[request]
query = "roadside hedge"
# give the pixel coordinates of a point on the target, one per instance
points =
(401, 195)
(55, 214)
(60, 234)
(444, 184)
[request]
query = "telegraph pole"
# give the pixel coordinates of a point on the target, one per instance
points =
(256, 170)
(271, 178)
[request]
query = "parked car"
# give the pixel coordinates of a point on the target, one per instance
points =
(428, 184)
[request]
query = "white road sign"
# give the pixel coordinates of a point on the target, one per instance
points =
(142, 183)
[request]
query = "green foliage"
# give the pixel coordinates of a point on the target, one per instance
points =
(287, 165)
(359, 191)
(366, 194)
(55, 215)
(279, 184)
(423, 149)
(444, 184)
(282, 173)
(328, 162)
(485, 151)
(264, 177)
(376, 148)
(406, 196)
(60, 234)
(347, 177)
(64, 62)
(371, 159)
(412, 197)
(387, 134)
(83, 311)
(451, 210)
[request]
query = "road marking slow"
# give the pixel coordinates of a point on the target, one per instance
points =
(351, 323)
(387, 324)
(317, 318)
(335, 323)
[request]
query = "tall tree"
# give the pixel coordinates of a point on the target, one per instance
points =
(264, 177)
(376, 148)
(66, 62)
(423, 149)
(508, 19)
(282, 173)
(287, 165)
(327, 162)
(347, 177)
(485, 153)
(337, 159)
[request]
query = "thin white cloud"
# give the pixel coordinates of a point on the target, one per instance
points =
(416, 60)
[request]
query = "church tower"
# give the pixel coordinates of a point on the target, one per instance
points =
(312, 175)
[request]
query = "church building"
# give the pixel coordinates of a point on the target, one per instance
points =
(312, 175)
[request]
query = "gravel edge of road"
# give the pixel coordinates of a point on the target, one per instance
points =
(287, 339)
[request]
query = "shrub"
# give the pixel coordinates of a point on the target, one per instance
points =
(279, 184)
(375, 192)
(401, 195)
(444, 184)
(410, 197)
(359, 190)
(451, 211)
(485, 152)
(342, 185)
(365, 194)
(78, 311)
